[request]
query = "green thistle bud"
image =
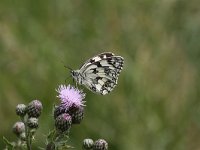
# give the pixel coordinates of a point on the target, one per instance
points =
(77, 116)
(63, 122)
(58, 110)
(34, 108)
(100, 144)
(88, 144)
(32, 123)
(22, 136)
(18, 128)
(21, 110)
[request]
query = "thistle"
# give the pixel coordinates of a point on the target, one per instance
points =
(88, 144)
(63, 122)
(71, 102)
(70, 96)
(100, 144)
(69, 111)
(18, 128)
(34, 109)
(26, 128)
(21, 110)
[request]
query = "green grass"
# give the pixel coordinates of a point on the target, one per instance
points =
(156, 103)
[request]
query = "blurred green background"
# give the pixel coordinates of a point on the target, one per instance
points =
(156, 103)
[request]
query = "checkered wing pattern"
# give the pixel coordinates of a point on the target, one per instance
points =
(100, 73)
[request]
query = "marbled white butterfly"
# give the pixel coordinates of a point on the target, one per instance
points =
(99, 73)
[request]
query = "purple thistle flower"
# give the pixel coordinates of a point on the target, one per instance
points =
(70, 96)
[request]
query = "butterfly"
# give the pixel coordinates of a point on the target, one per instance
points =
(99, 73)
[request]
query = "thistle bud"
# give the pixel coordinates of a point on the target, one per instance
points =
(88, 144)
(100, 144)
(34, 108)
(58, 110)
(77, 116)
(21, 110)
(22, 136)
(18, 128)
(32, 123)
(63, 122)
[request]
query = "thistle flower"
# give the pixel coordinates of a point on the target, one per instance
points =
(70, 96)
(100, 144)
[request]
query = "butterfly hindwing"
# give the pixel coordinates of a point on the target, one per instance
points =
(100, 85)
(103, 74)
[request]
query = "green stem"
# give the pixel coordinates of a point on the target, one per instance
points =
(28, 140)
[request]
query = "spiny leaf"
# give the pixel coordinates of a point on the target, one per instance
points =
(7, 142)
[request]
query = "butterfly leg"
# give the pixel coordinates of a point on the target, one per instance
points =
(75, 83)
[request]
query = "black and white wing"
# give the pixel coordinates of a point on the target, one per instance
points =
(101, 72)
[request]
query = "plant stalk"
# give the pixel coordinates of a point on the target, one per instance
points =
(28, 142)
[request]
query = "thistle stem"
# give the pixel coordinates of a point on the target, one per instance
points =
(28, 140)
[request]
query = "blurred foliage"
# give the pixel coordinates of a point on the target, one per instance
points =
(156, 103)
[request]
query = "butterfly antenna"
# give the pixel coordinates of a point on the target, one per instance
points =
(66, 66)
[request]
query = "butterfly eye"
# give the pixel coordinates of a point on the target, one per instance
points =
(74, 73)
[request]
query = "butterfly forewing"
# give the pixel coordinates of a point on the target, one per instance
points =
(96, 58)
(100, 73)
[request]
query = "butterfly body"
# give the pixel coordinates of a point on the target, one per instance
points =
(100, 73)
